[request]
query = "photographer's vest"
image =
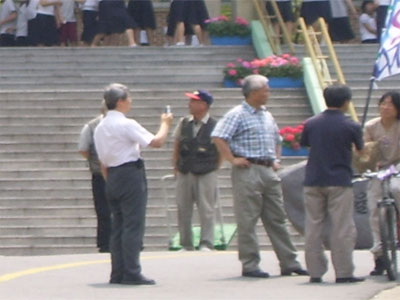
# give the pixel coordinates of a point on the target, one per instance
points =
(197, 154)
(93, 159)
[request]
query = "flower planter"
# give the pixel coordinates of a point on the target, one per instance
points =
(292, 152)
(230, 40)
(285, 82)
(274, 82)
(230, 84)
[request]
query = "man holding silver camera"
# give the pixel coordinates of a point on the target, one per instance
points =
(118, 141)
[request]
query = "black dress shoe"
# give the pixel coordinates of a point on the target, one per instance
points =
(115, 281)
(256, 274)
(379, 267)
(104, 249)
(139, 280)
(349, 279)
(315, 280)
(296, 271)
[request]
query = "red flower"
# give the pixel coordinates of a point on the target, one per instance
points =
(296, 146)
(289, 137)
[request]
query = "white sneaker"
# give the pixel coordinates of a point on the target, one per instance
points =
(204, 249)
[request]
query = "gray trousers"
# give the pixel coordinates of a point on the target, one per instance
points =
(257, 194)
(126, 191)
(335, 203)
(202, 190)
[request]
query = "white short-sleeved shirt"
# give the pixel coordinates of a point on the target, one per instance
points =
(364, 33)
(118, 140)
(384, 2)
(46, 10)
(91, 5)
(6, 9)
(338, 8)
(22, 21)
(67, 10)
(32, 9)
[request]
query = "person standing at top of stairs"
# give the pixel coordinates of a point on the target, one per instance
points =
(114, 19)
(311, 10)
(8, 19)
(381, 13)
(339, 25)
(143, 13)
(192, 12)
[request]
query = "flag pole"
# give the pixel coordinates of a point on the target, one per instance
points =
(371, 86)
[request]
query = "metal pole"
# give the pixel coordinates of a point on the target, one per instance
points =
(371, 85)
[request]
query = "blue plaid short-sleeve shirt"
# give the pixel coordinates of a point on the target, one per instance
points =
(249, 132)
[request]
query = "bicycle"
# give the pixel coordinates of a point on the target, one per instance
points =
(388, 214)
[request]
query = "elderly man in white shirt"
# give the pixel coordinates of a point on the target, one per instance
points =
(118, 141)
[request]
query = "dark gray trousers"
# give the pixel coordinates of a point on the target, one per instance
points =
(102, 211)
(126, 190)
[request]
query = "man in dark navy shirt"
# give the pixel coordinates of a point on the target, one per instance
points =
(328, 189)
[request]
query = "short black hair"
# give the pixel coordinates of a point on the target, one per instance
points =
(365, 3)
(336, 95)
(395, 96)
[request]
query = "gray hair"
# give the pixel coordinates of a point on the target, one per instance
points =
(113, 93)
(253, 82)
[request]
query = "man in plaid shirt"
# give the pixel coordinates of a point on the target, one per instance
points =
(247, 136)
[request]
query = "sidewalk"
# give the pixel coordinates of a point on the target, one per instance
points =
(179, 275)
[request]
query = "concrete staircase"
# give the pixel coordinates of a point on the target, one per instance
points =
(46, 95)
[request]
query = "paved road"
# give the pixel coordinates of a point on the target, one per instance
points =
(185, 275)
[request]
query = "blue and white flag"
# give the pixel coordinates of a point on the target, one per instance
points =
(388, 60)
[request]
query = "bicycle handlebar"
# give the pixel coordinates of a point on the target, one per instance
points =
(383, 174)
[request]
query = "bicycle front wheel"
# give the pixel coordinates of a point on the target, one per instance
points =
(387, 226)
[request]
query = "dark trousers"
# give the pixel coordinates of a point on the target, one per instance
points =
(7, 40)
(126, 190)
(102, 211)
(381, 20)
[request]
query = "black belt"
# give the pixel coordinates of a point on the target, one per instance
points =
(139, 164)
(262, 162)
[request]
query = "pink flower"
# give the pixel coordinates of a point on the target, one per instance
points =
(256, 63)
(246, 64)
(241, 21)
(212, 20)
(230, 65)
(232, 72)
(240, 60)
(294, 60)
(222, 18)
